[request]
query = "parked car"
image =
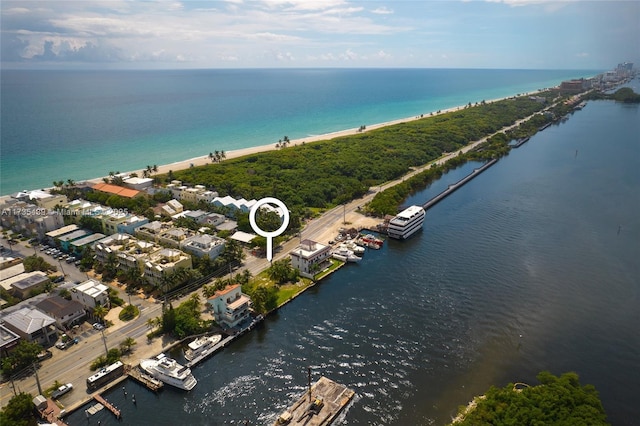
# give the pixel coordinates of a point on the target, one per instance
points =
(46, 354)
(98, 326)
(58, 279)
(62, 390)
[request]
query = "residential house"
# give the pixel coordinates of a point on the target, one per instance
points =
(8, 340)
(117, 190)
(29, 219)
(67, 313)
(23, 285)
(66, 239)
(53, 236)
(163, 262)
(139, 184)
(90, 294)
(201, 245)
(79, 245)
(308, 257)
(31, 325)
(131, 223)
(41, 198)
(230, 306)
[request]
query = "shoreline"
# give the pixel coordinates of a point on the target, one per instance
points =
(237, 153)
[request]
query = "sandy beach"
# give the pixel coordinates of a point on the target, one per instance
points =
(204, 160)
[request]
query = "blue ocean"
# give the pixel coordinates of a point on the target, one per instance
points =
(59, 125)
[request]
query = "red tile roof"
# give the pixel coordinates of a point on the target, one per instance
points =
(117, 190)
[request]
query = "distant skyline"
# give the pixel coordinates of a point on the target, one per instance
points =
(121, 34)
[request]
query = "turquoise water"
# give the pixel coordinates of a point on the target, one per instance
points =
(58, 125)
(523, 269)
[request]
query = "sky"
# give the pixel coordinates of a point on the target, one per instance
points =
(131, 34)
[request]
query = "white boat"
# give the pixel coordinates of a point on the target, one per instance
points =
(350, 245)
(169, 371)
(406, 223)
(202, 347)
(345, 255)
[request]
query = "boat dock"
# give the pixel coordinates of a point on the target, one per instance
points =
(319, 406)
(108, 405)
(146, 380)
(454, 186)
(520, 142)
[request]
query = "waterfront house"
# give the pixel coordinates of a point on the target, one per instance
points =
(309, 256)
(117, 190)
(28, 219)
(230, 306)
(90, 294)
(67, 313)
(31, 325)
(137, 183)
(41, 198)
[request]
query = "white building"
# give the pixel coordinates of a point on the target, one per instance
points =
(90, 294)
(230, 306)
(309, 256)
(200, 245)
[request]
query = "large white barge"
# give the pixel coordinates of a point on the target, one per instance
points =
(406, 223)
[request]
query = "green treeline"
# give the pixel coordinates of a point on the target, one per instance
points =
(624, 94)
(556, 401)
(327, 173)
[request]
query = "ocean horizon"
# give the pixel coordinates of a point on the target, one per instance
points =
(60, 124)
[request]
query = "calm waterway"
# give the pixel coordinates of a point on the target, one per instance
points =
(531, 266)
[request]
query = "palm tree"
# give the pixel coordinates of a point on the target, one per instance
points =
(155, 168)
(127, 343)
(223, 156)
(208, 290)
(100, 312)
(70, 182)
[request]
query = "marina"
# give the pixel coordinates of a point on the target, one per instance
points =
(319, 406)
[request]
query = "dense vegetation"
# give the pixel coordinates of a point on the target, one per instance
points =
(20, 411)
(625, 95)
(556, 401)
(327, 173)
(23, 356)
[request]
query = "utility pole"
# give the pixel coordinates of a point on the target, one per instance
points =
(104, 340)
(35, 371)
(309, 382)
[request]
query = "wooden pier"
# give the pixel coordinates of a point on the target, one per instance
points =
(146, 380)
(318, 407)
(454, 186)
(108, 405)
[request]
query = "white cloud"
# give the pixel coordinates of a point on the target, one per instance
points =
(382, 11)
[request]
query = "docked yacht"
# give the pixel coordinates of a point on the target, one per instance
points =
(202, 347)
(345, 255)
(169, 371)
(406, 223)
